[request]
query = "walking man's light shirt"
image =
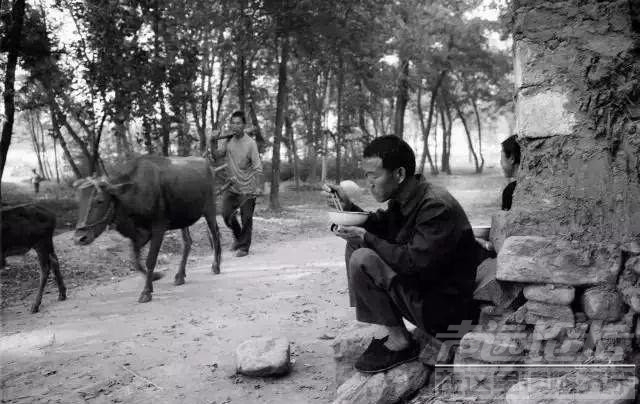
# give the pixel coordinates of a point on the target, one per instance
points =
(243, 165)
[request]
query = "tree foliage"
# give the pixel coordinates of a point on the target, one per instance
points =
(156, 76)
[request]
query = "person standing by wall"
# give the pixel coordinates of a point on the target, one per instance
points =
(244, 170)
(510, 162)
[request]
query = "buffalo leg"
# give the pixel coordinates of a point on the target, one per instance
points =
(186, 248)
(152, 257)
(135, 248)
(214, 234)
(43, 256)
(55, 266)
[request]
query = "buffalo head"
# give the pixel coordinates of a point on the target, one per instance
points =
(96, 208)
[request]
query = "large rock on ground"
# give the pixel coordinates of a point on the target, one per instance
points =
(550, 293)
(602, 304)
(349, 344)
(575, 389)
(534, 259)
(265, 356)
(385, 387)
(489, 289)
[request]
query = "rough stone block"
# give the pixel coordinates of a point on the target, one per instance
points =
(550, 293)
(545, 330)
(489, 289)
(611, 342)
(349, 344)
(526, 72)
(629, 288)
(265, 356)
(474, 378)
(498, 231)
(387, 387)
(492, 316)
(602, 304)
(543, 114)
(543, 314)
(432, 350)
(633, 265)
(574, 388)
(492, 347)
(535, 259)
(631, 248)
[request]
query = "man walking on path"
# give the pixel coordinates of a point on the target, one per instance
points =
(414, 260)
(244, 169)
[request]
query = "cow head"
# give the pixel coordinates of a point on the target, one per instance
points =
(96, 207)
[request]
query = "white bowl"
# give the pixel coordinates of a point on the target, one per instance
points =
(481, 232)
(348, 218)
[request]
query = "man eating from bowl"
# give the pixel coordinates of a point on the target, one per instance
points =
(413, 260)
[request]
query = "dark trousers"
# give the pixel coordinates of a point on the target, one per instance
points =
(381, 296)
(231, 201)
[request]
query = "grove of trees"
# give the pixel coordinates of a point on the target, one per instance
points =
(317, 79)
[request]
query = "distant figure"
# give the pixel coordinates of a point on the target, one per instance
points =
(244, 169)
(510, 162)
(36, 179)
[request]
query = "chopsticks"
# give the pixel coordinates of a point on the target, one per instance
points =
(334, 198)
(336, 201)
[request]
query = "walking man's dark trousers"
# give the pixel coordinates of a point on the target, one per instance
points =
(242, 229)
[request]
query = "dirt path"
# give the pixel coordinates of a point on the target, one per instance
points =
(101, 346)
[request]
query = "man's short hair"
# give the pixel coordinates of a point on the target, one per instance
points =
(239, 114)
(394, 152)
(511, 148)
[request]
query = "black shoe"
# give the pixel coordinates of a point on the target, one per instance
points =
(378, 358)
(242, 253)
(234, 246)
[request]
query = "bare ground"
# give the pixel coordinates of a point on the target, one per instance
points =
(101, 346)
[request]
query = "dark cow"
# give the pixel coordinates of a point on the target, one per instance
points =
(155, 194)
(26, 227)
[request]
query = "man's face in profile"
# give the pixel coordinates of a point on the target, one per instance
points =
(382, 183)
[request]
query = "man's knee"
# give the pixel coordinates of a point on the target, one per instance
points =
(361, 262)
(363, 257)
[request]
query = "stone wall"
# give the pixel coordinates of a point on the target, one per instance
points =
(577, 78)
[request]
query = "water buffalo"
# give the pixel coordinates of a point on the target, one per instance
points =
(155, 194)
(26, 227)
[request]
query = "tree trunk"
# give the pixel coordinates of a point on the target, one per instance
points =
(13, 42)
(426, 153)
(257, 132)
(402, 98)
(340, 123)
(63, 144)
(479, 123)
(444, 164)
(146, 135)
(293, 152)
(281, 105)
(55, 157)
(468, 133)
(241, 84)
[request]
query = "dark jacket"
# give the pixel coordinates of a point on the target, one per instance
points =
(426, 238)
